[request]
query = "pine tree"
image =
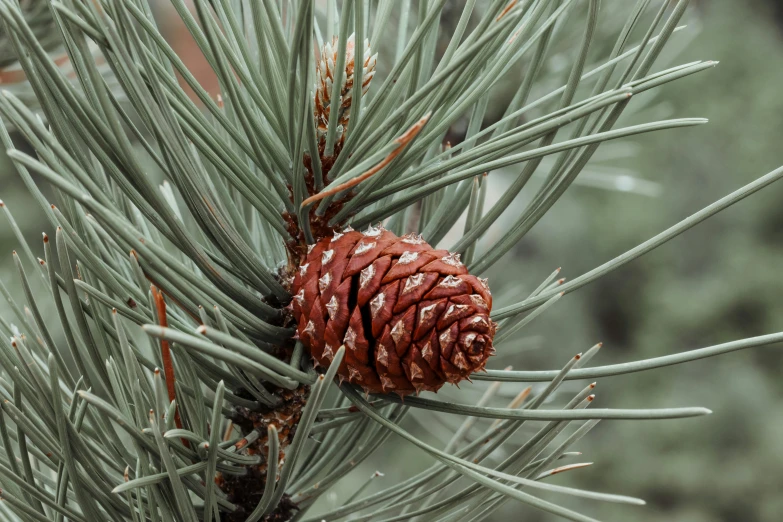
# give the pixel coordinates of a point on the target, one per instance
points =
(218, 263)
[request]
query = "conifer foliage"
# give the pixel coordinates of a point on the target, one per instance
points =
(215, 267)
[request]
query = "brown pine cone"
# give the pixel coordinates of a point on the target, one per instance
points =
(410, 316)
(325, 73)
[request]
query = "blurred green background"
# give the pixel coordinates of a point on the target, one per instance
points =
(718, 282)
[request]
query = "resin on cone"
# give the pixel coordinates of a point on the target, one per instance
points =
(411, 317)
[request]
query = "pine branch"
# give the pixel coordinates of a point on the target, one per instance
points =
(208, 287)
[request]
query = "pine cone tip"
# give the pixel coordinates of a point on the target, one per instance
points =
(325, 75)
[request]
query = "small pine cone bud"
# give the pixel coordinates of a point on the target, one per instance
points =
(325, 78)
(411, 317)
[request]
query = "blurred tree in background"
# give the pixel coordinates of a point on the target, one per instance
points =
(719, 281)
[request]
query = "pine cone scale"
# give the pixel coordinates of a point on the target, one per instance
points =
(411, 317)
(382, 307)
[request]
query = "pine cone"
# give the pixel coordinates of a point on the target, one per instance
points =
(325, 77)
(410, 316)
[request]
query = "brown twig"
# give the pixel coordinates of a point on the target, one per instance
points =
(505, 11)
(403, 140)
(154, 282)
(563, 469)
(229, 429)
(165, 354)
(518, 401)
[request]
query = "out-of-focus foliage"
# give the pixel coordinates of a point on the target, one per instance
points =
(719, 281)
(41, 22)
